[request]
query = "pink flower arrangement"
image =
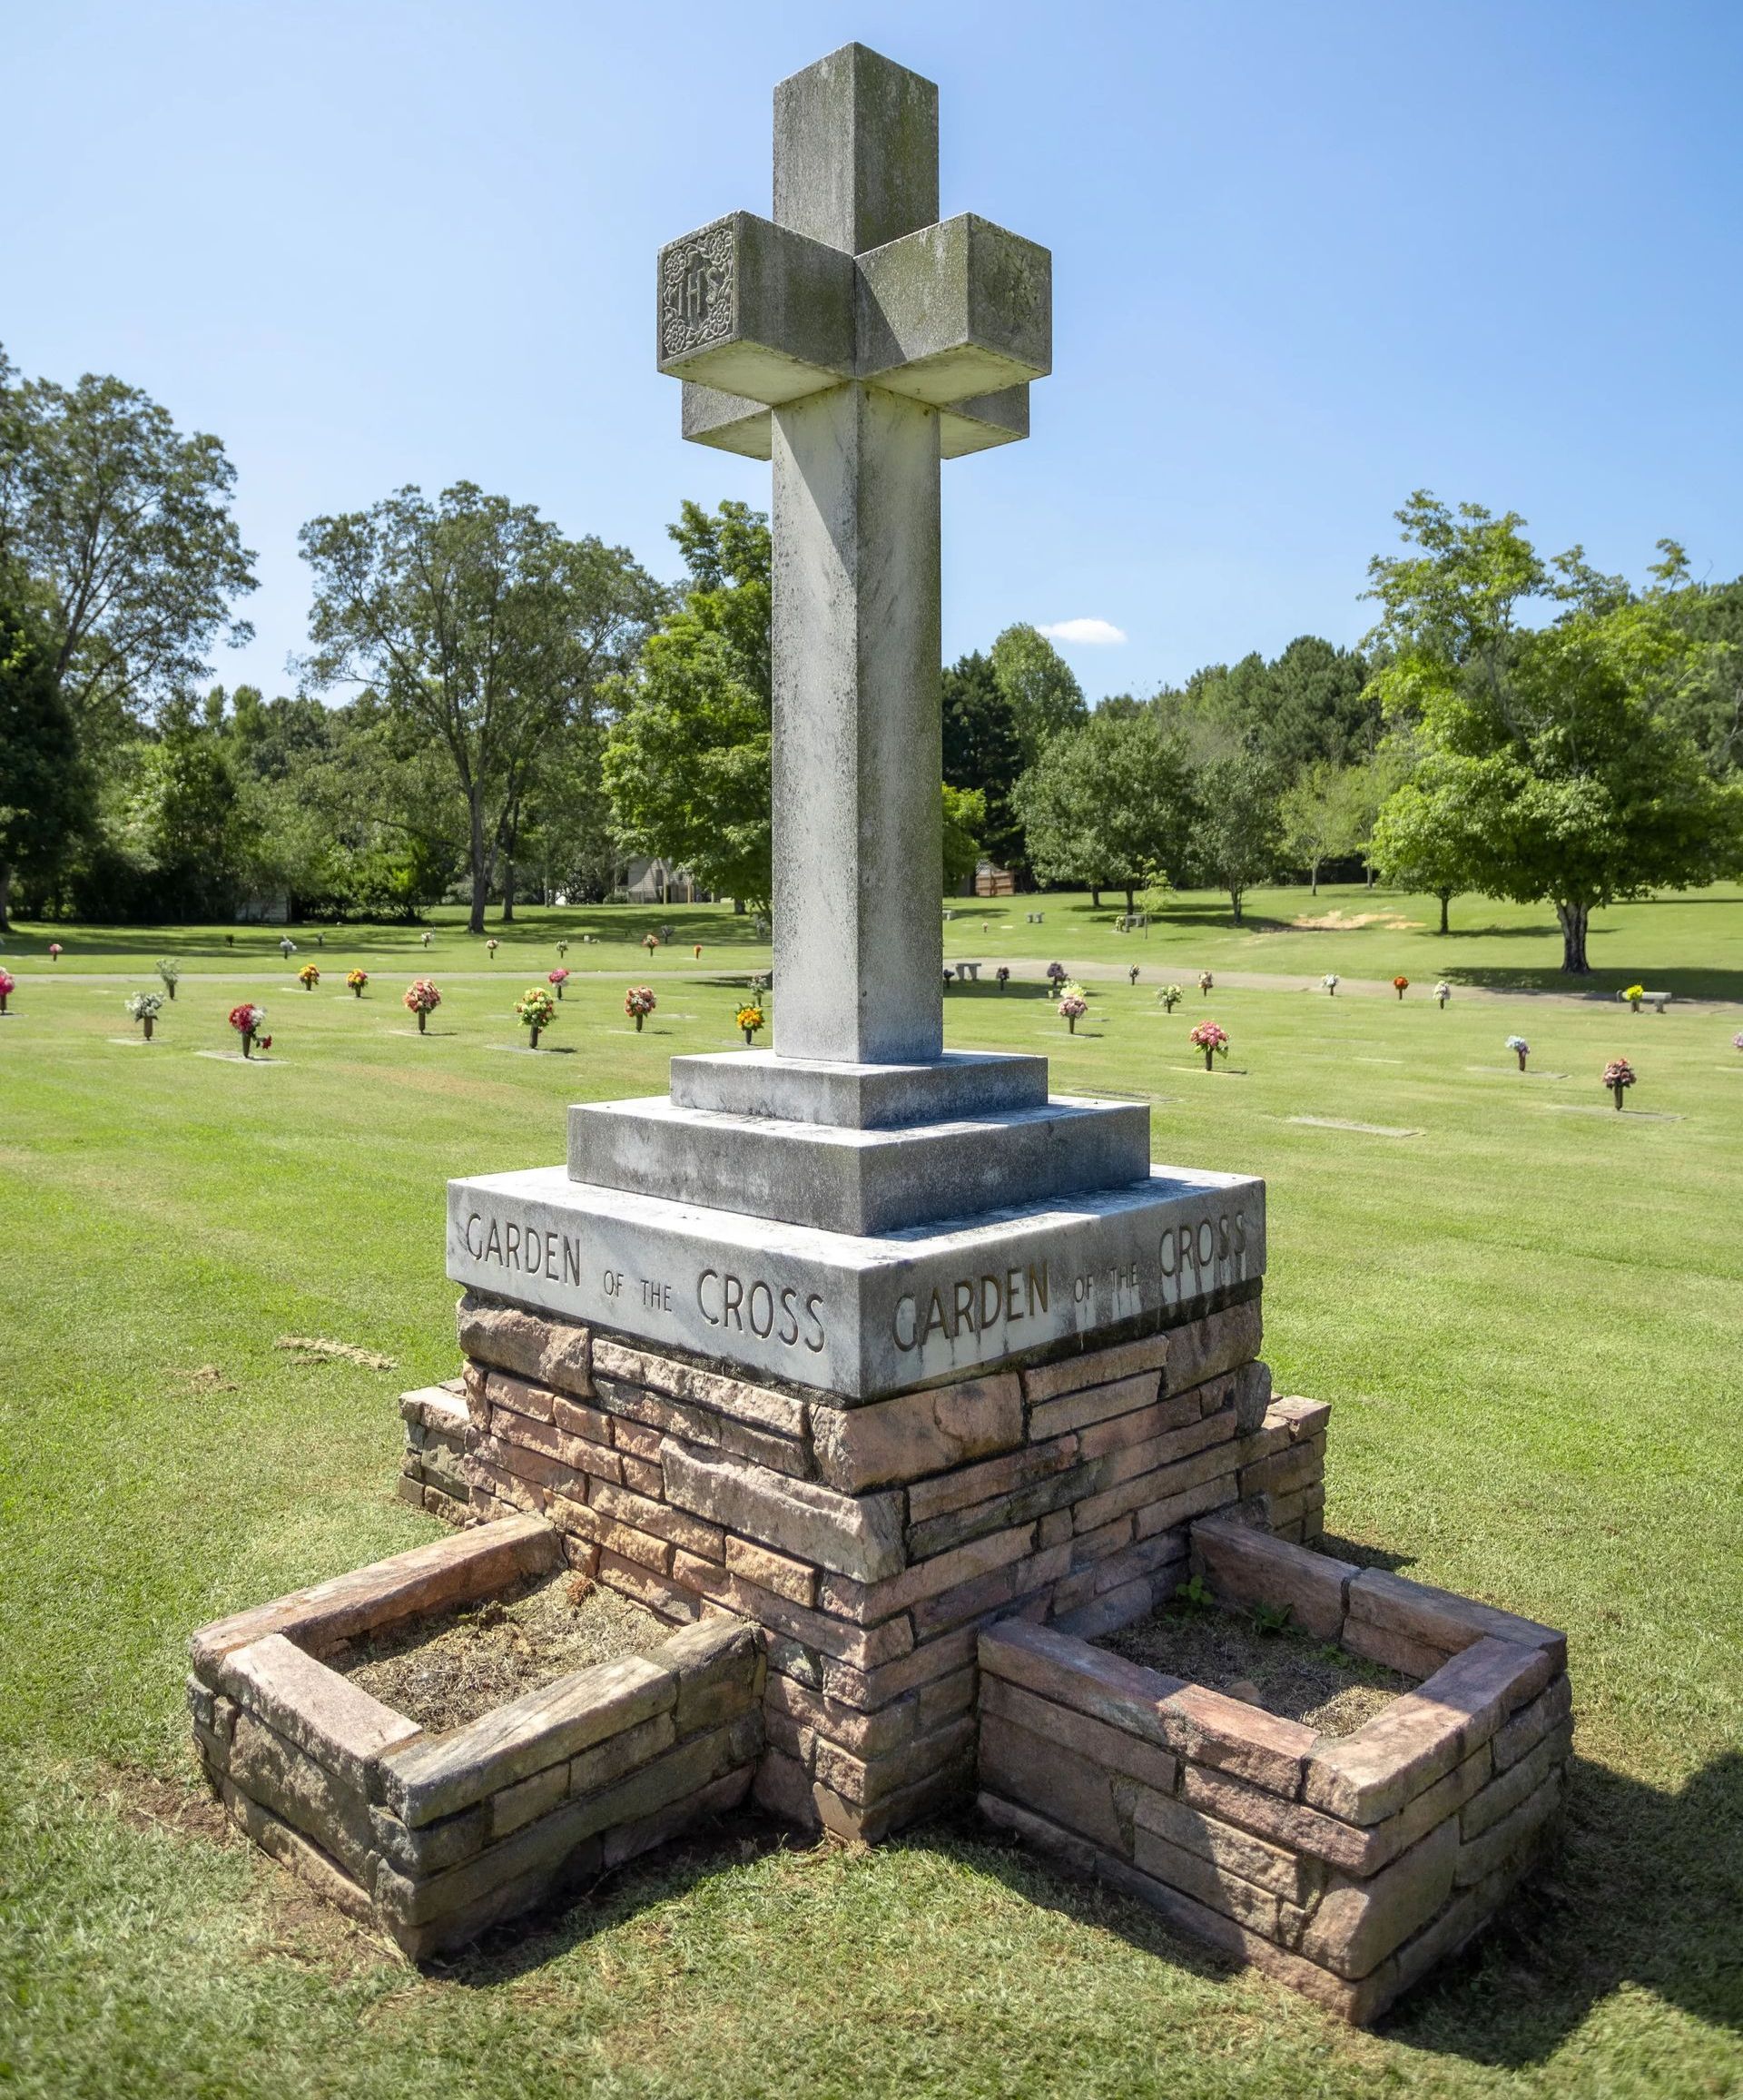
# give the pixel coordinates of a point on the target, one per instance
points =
(246, 1021)
(420, 997)
(558, 976)
(1618, 1076)
(639, 1002)
(1072, 1008)
(9, 984)
(1210, 1038)
(1737, 1041)
(54, 951)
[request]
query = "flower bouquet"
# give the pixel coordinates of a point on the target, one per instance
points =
(9, 984)
(1072, 1008)
(1131, 975)
(650, 942)
(355, 980)
(144, 1008)
(1618, 1076)
(246, 1021)
(170, 971)
(309, 976)
(639, 1002)
(1521, 1048)
(536, 1009)
(559, 978)
(54, 951)
(1207, 982)
(1210, 1038)
(562, 949)
(749, 1017)
(427, 938)
(287, 947)
(1634, 994)
(420, 997)
(491, 946)
(1442, 992)
(1330, 982)
(1401, 985)
(1170, 995)
(1055, 974)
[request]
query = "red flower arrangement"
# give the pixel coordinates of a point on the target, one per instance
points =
(246, 1021)
(420, 997)
(1210, 1038)
(1401, 985)
(558, 978)
(8, 985)
(1618, 1076)
(639, 1002)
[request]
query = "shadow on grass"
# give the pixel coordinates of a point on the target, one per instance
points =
(1645, 1891)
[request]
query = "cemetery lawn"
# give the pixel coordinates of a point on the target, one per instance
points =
(1523, 1308)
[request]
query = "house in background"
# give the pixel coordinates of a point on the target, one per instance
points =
(657, 882)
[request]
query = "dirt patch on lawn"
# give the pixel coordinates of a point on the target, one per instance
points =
(1288, 1674)
(1354, 922)
(150, 1803)
(446, 1671)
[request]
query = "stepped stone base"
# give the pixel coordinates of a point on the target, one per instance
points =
(873, 1542)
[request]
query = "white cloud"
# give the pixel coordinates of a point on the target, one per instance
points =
(1096, 633)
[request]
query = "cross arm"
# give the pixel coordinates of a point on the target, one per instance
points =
(732, 423)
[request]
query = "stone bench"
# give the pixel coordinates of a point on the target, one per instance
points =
(1034, 918)
(972, 971)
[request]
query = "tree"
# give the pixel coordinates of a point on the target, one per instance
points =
(43, 786)
(115, 534)
(1107, 803)
(686, 763)
(1426, 838)
(1312, 705)
(480, 625)
(965, 817)
(1236, 838)
(1317, 819)
(1044, 696)
(1554, 753)
(983, 752)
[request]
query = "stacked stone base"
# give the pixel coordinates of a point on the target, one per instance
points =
(1345, 1866)
(433, 1474)
(873, 1542)
(433, 1838)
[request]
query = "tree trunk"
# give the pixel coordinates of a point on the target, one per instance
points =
(1446, 898)
(5, 897)
(1313, 879)
(480, 870)
(1573, 918)
(738, 907)
(1235, 897)
(508, 892)
(1131, 900)
(1095, 900)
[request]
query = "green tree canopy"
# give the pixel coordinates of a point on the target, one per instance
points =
(1237, 834)
(1108, 804)
(480, 625)
(117, 541)
(984, 754)
(1039, 687)
(686, 763)
(1553, 753)
(43, 787)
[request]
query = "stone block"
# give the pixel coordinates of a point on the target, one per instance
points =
(1533, 1722)
(528, 1799)
(973, 1486)
(719, 1798)
(643, 1476)
(439, 1774)
(1504, 1793)
(519, 1396)
(988, 1593)
(1395, 1651)
(450, 1571)
(1081, 1734)
(955, 310)
(753, 309)
(1246, 1566)
(782, 1789)
(658, 1519)
(1217, 1733)
(1122, 1606)
(871, 1689)
(863, 1647)
(545, 1347)
(868, 1603)
(311, 1797)
(942, 1428)
(435, 1846)
(1368, 1776)
(619, 1755)
(860, 1536)
(1219, 1342)
(1223, 1845)
(1267, 1814)
(661, 1593)
(864, 1735)
(1252, 1395)
(1189, 1487)
(739, 1399)
(720, 1672)
(1086, 1408)
(701, 1425)
(867, 1782)
(290, 1848)
(1069, 1673)
(794, 1580)
(576, 1420)
(1051, 1779)
(958, 1086)
(324, 1715)
(1286, 1472)
(1357, 1924)
(1139, 1424)
(1512, 1839)
(1205, 1880)
(1440, 1620)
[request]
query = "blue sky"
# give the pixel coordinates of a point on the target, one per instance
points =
(1307, 257)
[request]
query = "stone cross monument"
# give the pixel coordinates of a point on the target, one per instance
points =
(856, 341)
(857, 1210)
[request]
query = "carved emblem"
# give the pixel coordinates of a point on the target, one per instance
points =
(696, 301)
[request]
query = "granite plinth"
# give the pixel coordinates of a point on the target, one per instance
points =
(859, 1315)
(857, 1097)
(858, 1181)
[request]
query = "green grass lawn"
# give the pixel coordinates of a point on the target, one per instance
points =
(1524, 1309)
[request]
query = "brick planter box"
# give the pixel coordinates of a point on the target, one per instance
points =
(1345, 1867)
(434, 1836)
